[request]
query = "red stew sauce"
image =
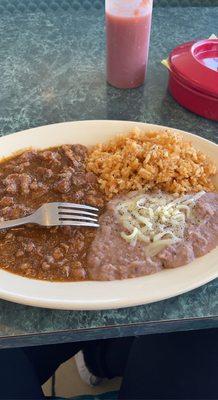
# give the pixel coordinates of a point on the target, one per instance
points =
(29, 180)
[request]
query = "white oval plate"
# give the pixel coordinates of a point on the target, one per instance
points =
(101, 295)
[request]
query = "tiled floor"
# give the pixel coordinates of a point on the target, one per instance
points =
(69, 384)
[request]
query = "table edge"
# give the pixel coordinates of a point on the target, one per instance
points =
(106, 332)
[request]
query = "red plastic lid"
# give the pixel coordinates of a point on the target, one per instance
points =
(195, 64)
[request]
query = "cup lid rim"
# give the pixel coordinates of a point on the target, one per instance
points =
(185, 63)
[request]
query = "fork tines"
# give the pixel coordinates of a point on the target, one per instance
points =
(78, 215)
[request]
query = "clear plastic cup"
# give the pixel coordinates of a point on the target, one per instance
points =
(128, 25)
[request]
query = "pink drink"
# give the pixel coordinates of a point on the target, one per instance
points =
(128, 36)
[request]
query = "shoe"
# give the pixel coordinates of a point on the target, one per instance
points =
(85, 374)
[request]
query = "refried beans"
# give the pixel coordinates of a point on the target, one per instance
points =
(111, 257)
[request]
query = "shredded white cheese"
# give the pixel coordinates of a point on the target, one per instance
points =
(157, 219)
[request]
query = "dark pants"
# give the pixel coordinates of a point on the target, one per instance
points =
(23, 371)
(169, 366)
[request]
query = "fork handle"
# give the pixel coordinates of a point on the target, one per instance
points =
(16, 222)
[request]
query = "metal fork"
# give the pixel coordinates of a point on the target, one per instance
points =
(54, 214)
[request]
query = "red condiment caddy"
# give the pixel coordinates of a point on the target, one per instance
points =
(193, 76)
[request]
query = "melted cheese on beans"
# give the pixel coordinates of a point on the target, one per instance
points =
(157, 219)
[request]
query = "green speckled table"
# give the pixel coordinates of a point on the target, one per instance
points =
(51, 70)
